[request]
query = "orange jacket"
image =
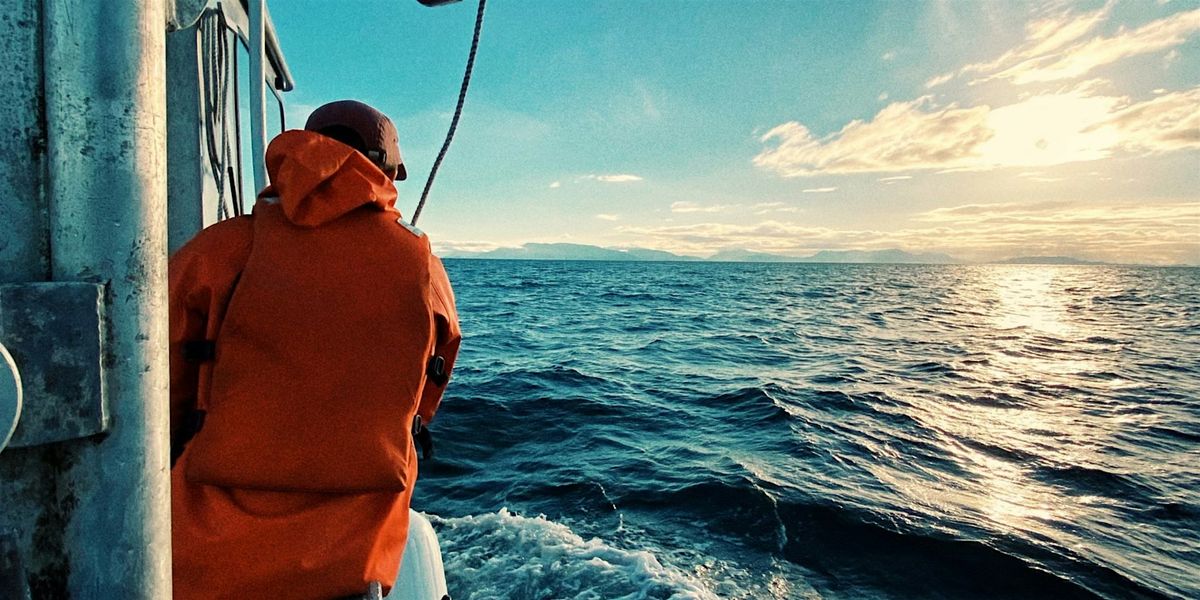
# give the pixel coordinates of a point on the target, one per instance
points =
(325, 309)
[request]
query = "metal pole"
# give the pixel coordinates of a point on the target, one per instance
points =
(258, 92)
(106, 133)
(24, 249)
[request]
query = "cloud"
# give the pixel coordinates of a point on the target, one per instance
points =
(767, 236)
(1080, 59)
(555, 185)
(1163, 124)
(1156, 233)
(1058, 47)
(883, 96)
(1046, 37)
(895, 178)
(684, 206)
(616, 178)
(1054, 128)
(296, 113)
(1039, 177)
(763, 208)
(823, 190)
(938, 80)
(903, 136)
(889, 55)
(607, 217)
(1162, 233)
(447, 247)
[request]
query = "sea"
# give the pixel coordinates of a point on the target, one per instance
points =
(680, 430)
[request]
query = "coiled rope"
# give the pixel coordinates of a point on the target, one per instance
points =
(462, 97)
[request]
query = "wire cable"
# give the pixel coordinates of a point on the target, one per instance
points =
(215, 81)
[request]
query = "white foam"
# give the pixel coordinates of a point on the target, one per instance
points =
(504, 556)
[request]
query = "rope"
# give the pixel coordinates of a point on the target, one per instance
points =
(462, 97)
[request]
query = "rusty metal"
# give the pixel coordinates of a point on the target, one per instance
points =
(55, 334)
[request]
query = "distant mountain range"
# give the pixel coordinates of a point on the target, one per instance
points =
(1049, 260)
(535, 251)
(538, 251)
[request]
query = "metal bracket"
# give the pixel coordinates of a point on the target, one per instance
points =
(55, 334)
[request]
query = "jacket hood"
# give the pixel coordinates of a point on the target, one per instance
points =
(318, 179)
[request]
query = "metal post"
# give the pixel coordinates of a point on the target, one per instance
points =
(27, 493)
(106, 133)
(24, 249)
(258, 92)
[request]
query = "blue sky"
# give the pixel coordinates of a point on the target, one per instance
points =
(980, 129)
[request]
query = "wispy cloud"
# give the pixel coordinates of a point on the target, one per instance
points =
(889, 55)
(763, 208)
(1162, 233)
(895, 178)
(938, 80)
(1077, 60)
(607, 217)
(555, 185)
(1077, 124)
(1163, 124)
(766, 205)
(612, 178)
(1156, 233)
(1044, 38)
(684, 206)
(446, 246)
(1066, 46)
(821, 190)
(902, 136)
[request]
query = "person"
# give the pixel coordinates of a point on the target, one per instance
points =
(305, 341)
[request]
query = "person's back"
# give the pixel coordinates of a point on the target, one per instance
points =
(304, 335)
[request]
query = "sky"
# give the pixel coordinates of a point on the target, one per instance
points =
(984, 130)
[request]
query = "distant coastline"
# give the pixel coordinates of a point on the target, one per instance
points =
(585, 252)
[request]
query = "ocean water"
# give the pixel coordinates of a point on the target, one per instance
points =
(710, 430)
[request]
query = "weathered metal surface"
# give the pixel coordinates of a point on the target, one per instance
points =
(10, 396)
(24, 248)
(191, 188)
(106, 138)
(27, 486)
(13, 585)
(55, 333)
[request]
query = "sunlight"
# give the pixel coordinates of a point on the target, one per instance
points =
(1050, 130)
(1027, 299)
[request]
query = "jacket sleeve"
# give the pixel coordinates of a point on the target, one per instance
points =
(449, 336)
(201, 276)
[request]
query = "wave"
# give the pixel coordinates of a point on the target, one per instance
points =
(739, 508)
(854, 555)
(749, 404)
(506, 556)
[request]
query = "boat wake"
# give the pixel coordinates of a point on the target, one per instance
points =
(502, 555)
